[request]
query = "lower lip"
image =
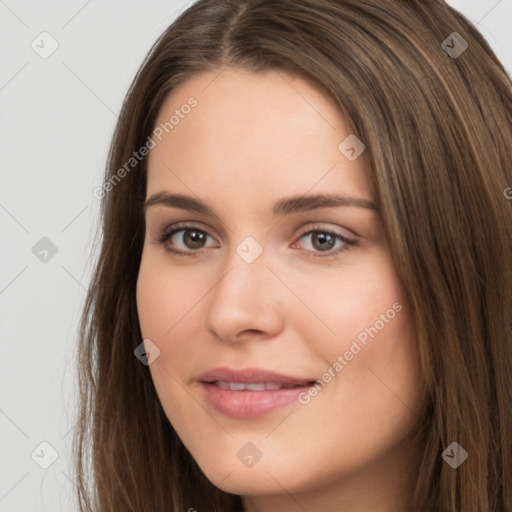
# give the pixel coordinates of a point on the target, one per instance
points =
(249, 404)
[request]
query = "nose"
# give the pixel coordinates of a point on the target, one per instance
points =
(246, 302)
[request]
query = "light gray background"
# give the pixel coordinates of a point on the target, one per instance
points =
(56, 121)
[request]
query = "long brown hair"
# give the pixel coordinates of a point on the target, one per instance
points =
(437, 125)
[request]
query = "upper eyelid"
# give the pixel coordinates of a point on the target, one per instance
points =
(222, 229)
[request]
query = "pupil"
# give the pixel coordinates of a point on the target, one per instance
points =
(195, 237)
(326, 240)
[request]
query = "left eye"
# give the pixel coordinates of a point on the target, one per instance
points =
(324, 241)
(192, 238)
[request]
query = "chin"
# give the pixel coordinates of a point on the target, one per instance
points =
(260, 479)
(242, 482)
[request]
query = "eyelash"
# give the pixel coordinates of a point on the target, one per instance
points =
(166, 234)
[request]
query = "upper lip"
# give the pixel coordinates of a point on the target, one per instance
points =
(249, 375)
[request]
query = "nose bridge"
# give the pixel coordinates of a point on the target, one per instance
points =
(244, 279)
(246, 267)
(243, 297)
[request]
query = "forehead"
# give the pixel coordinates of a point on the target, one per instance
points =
(252, 132)
(262, 111)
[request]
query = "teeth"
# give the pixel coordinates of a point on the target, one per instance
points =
(270, 386)
(253, 386)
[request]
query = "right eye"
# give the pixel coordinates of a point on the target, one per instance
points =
(191, 238)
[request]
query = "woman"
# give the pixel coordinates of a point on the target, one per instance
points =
(303, 299)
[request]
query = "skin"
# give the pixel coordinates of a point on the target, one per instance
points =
(252, 140)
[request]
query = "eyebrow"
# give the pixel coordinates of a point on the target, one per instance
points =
(282, 207)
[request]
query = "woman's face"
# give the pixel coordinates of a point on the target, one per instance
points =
(276, 284)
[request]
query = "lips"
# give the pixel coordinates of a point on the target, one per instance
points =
(252, 392)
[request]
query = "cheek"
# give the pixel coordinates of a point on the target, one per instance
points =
(165, 298)
(368, 348)
(359, 304)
